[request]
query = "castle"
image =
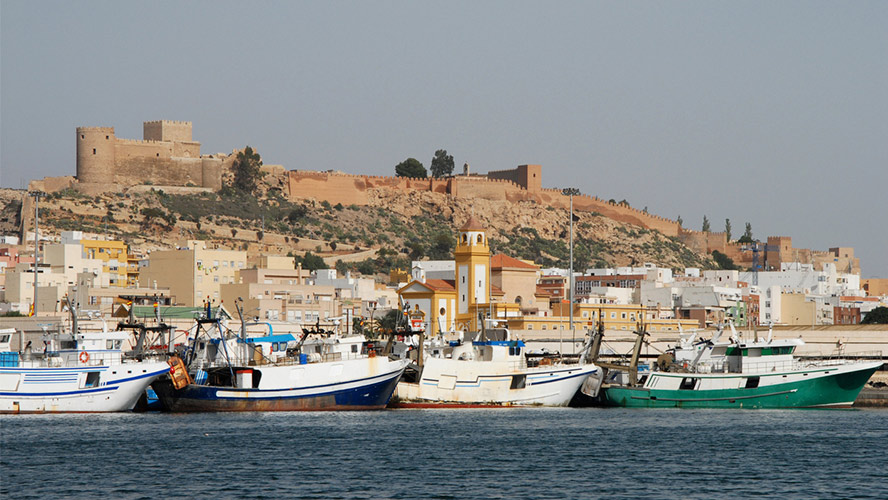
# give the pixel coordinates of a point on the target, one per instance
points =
(167, 156)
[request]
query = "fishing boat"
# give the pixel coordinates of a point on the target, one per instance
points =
(732, 373)
(320, 370)
(78, 372)
(492, 370)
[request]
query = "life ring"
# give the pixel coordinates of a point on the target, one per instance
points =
(84, 356)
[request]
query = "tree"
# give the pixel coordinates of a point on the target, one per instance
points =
(246, 170)
(390, 321)
(442, 247)
(723, 261)
(312, 262)
(747, 235)
(442, 164)
(706, 228)
(728, 229)
(411, 167)
(417, 250)
(679, 220)
(878, 316)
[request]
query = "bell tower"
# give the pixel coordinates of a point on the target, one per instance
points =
(472, 256)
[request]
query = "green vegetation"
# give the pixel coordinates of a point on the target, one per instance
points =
(246, 170)
(747, 235)
(442, 164)
(706, 228)
(723, 261)
(311, 262)
(878, 316)
(411, 167)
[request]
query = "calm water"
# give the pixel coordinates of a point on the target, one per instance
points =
(517, 453)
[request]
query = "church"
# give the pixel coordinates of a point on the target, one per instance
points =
(476, 290)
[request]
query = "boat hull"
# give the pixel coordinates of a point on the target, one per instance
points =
(115, 388)
(807, 389)
(371, 392)
(460, 384)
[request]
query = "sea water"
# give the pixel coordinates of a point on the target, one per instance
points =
(502, 453)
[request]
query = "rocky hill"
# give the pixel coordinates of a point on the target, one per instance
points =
(393, 229)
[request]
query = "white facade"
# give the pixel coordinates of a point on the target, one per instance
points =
(802, 278)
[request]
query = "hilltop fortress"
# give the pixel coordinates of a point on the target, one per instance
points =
(168, 157)
(165, 156)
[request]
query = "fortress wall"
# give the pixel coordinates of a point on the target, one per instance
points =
(129, 149)
(211, 173)
(323, 186)
(621, 213)
(52, 184)
(159, 171)
(489, 189)
(186, 149)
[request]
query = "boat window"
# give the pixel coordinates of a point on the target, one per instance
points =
(518, 381)
(752, 382)
(354, 347)
(688, 383)
(92, 379)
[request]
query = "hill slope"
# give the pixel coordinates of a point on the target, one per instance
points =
(393, 229)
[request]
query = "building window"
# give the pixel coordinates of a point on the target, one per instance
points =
(479, 239)
(94, 150)
(622, 315)
(215, 279)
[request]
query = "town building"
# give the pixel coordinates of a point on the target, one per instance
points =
(193, 273)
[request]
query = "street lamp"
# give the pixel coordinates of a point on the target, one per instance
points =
(571, 192)
(36, 195)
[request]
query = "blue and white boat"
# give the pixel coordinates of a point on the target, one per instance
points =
(83, 372)
(280, 373)
(490, 373)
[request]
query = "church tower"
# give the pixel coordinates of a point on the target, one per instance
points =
(472, 256)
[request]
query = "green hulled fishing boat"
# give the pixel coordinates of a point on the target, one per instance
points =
(762, 373)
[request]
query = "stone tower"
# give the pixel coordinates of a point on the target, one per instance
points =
(472, 256)
(96, 154)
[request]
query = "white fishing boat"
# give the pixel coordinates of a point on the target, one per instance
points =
(80, 372)
(490, 373)
(317, 371)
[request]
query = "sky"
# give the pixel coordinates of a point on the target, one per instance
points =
(772, 113)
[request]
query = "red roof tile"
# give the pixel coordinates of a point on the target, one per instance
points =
(501, 261)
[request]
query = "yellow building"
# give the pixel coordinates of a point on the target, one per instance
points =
(472, 256)
(432, 303)
(114, 259)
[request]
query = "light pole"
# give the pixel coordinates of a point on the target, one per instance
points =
(36, 195)
(570, 192)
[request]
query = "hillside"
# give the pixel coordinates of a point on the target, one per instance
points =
(392, 229)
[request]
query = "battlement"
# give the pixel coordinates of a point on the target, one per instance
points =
(104, 130)
(168, 122)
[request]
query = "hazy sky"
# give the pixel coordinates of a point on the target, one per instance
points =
(774, 113)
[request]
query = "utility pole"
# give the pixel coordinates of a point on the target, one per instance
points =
(36, 195)
(570, 192)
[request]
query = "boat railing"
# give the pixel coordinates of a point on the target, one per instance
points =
(802, 364)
